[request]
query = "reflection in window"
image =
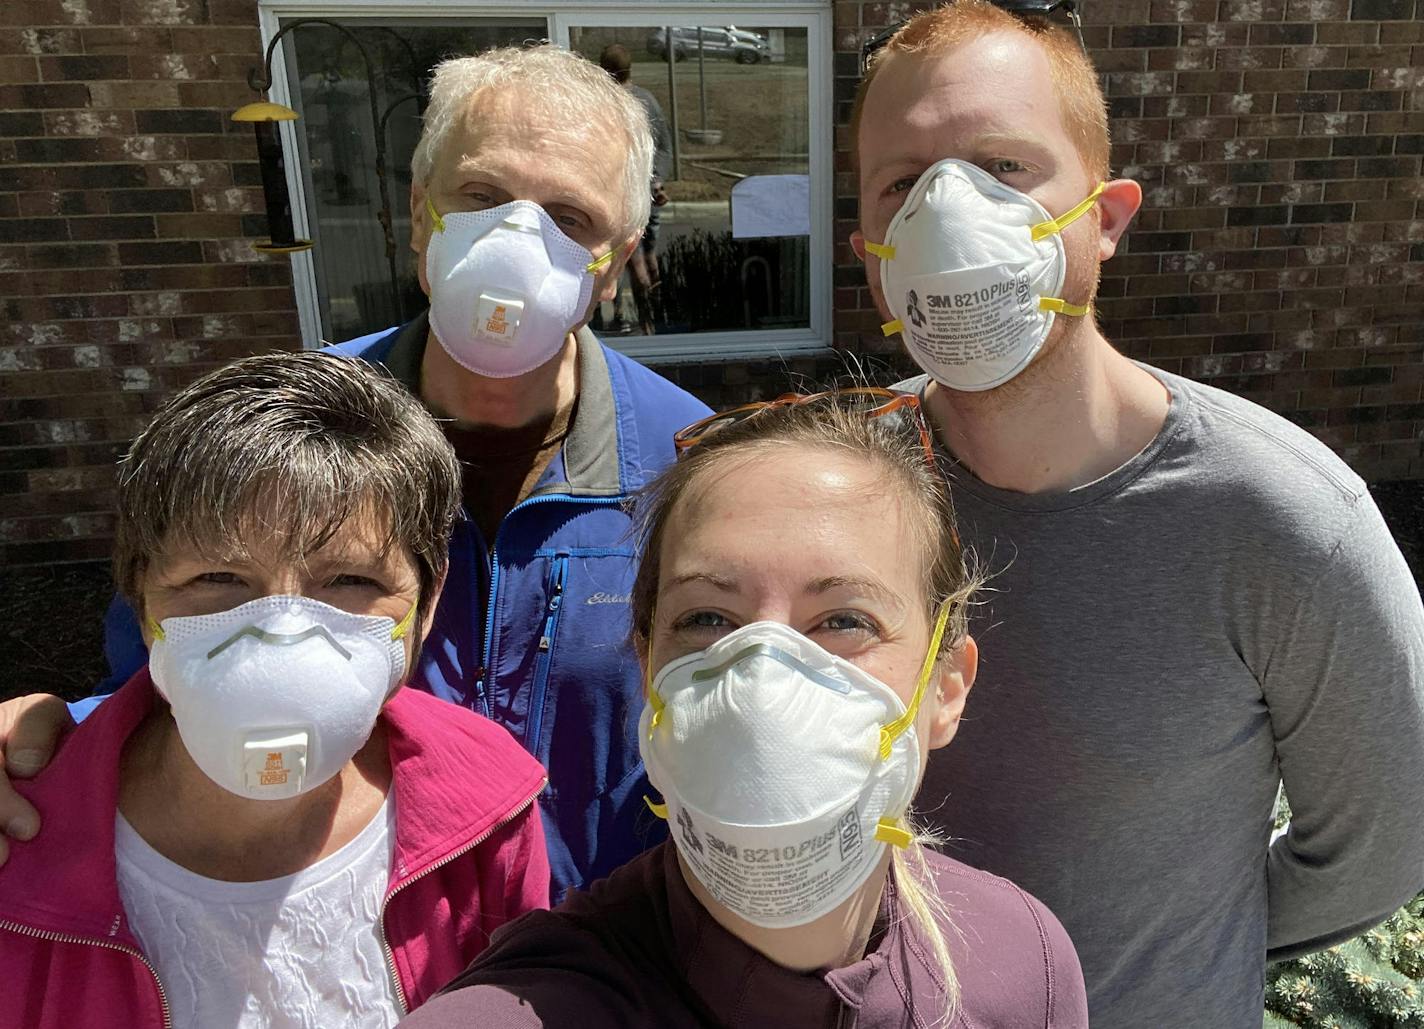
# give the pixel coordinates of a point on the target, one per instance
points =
(732, 102)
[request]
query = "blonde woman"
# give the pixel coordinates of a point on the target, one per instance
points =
(800, 613)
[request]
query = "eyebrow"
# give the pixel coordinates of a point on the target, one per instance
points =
(1006, 138)
(720, 582)
(857, 584)
(472, 170)
(816, 587)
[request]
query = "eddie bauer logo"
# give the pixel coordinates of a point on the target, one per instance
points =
(497, 323)
(608, 598)
(275, 772)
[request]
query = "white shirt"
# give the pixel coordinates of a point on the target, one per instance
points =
(300, 952)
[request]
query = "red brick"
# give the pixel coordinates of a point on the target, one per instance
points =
(1347, 32)
(88, 68)
(1243, 58)
(1179, 58)
(212, 39)
(36, 41)
(1230, 36)
(125, 40)
(1314, 57)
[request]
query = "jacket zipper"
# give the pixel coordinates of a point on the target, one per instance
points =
(558, 577)
(52, 937)
(385, 905)
(493, 559)
(485, 667)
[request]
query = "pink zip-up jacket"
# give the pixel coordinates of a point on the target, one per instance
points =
(469, 856)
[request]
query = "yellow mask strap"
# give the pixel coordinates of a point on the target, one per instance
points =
(1060, 306)
(658, 809)
(156, 629)
(889, 830)
(889, 733)
(890, 328)
(655, 700)
(403, 626)
(884, 251)
(435, 218)
(599, 262)
(1060, 223)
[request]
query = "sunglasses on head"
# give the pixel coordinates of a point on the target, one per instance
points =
(872, 401)
(1018, 8)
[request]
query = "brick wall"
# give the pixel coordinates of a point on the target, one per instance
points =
(1280, 249)
(1279, 253)
(126, 199)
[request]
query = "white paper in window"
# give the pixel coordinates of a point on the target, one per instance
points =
(771, 205)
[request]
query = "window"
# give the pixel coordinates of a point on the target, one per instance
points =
(336, 142)
(741, 250)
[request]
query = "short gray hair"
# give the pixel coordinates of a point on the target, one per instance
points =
(556, 79)
(291, 446)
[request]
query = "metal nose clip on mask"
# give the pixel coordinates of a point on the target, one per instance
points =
(273, 697)
(786, 771)
(506, 286)
(971, 269)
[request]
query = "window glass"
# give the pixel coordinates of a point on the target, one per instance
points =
(336, 138)
(729, 248)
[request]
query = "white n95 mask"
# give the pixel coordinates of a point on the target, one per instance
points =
(506, 286)
(971, 270)
(785, 770)
(273, 697)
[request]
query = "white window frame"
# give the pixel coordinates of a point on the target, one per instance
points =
(812, 15)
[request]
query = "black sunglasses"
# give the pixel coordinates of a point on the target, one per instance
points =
(1019, 8)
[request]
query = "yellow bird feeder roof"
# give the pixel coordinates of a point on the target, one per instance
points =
(264, 110)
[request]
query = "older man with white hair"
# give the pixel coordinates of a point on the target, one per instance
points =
(530, 192)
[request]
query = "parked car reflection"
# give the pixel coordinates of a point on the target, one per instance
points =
(742, 46)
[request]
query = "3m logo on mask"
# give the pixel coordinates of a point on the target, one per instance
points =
(917, 317)
(497, 318)
(274, 773)
(497, 323)
(973, 298)
(689, 831)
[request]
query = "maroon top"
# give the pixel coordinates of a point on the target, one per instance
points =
(638, 949)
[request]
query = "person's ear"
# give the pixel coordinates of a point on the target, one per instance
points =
(419, 222)
(427, 621)
(872, 272)
(608, 286)
(857, 243)
(144, 628)
(420, 230)
(1117, 203)
(953, 678)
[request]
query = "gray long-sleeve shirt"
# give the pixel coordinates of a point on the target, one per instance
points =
(1158, 650)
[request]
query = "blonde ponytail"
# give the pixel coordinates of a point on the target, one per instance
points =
(920, 904)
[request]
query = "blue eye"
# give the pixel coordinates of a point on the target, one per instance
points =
(1004, 166)
(700, 620)
(903, 185)
(850, 622)
(360, 581)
